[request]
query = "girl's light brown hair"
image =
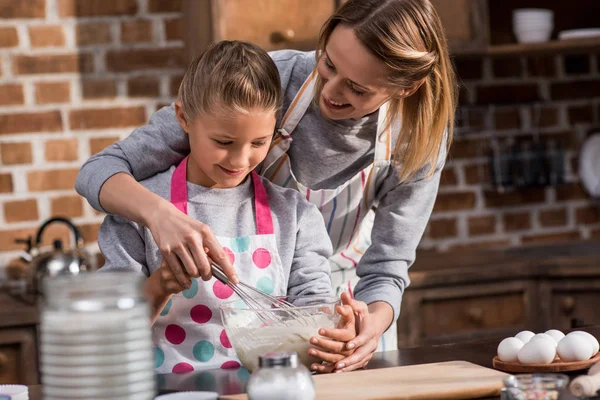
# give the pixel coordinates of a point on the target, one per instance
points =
(230, 76)
(407, 35)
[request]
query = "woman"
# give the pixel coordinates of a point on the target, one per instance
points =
(368, 118)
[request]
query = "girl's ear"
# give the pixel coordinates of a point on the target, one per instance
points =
(181, 117)
(403, 93)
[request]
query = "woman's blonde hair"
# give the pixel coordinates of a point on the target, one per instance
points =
(230, 76)
(407, 35)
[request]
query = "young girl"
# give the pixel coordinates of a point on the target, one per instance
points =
(368, 120)
(274, 238)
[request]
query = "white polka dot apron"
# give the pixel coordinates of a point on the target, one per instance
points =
(189, 333)
(347, 209)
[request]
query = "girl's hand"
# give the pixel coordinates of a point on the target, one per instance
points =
(332, 351)
(181, 240)
(360, 348)
(168, 283)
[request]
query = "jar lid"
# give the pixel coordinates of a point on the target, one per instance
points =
(278, 359)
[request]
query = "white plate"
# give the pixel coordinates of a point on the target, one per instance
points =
(189, 396)
(99, 380)
(589, 165)
(97, 370)
(103, 391)
(95, 338)
(95, 349)
(106, 359)
(578, 33)
(149, 395)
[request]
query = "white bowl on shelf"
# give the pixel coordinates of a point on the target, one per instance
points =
(533, 25)
(532, 13)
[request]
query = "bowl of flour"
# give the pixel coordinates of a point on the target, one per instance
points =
(256, 331)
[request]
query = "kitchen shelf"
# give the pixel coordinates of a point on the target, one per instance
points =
(554, 46)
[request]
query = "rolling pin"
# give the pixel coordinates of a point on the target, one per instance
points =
(587, 385)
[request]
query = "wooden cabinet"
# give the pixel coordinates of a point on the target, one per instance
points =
(465, 23)
(271, 24)
(497, 294)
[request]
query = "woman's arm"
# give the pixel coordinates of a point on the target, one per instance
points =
(107, 181)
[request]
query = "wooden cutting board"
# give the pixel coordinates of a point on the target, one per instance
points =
(438, 381)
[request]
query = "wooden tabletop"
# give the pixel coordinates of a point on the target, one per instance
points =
(229, 382)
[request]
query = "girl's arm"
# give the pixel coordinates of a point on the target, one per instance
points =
(108, 181)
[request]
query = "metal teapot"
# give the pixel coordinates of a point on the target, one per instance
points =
(58, 261)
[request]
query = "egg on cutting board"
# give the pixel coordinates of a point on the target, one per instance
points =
(588, 336)
(555, 334)
(540, 351)
(509, 348)
(575, 348)
(544, 336)
(525, 336)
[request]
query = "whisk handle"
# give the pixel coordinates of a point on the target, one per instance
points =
(218, 273)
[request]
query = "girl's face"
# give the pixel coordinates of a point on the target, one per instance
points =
(354, 78)
(224, 150)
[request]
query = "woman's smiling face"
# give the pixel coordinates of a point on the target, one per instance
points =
(354, 80)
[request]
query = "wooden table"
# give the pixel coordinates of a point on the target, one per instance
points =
(234, 381)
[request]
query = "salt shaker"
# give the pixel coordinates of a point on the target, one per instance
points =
(281, 377)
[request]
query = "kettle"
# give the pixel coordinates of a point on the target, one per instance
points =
(55, 262)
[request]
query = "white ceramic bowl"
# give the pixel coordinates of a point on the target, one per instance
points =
(533, 36)
(538, 13)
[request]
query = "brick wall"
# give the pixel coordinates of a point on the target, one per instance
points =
(75, 76)
(557, 96)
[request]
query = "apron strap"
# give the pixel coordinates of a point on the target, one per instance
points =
(179, 186)
(264, 220)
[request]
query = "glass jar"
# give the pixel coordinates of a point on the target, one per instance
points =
(535, 387)
(281, 377)
(96, 339)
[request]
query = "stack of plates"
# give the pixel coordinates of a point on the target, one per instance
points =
(97, 355)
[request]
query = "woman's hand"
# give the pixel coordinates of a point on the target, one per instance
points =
(182, 240)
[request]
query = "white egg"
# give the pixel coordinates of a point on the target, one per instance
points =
(591, 338)
(543, 336)
(537, 352)
(574, 348)
(555, 334)
(509, 348)
(525, 336)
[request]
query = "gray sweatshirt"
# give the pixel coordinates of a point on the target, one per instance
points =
(300, 232)
(323, 154)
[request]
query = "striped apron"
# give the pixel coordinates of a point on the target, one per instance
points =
(347, 209)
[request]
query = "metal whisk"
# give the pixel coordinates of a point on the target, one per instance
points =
(251, 295)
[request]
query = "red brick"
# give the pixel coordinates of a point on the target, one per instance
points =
(96, 8)
(571, 191)
(507, 67)
(16, 153)
(89, 232)
(541, 66)
(53, 64)
(552, 218)
(6, 183)
(104, 118)
(487, 244)
(21, 210)
(508, 118)
(495, 199)
(143, 86)
(575, 64)
(62, 150)
(22, 9)
(575, 165)
(99, 144)
(442, 228)
(469, 67)
(463, 95)
(100, 260)
(59, 179)
(482, 225)
(46, 36)
(581, 114)
(54, 231)
(164, 6)
(48, 121)
(509, 94)
(469, 148)
(548, 116)
(175, 83)
(136, 31)
(519, 221)
(448, 177)
(477, 174)
(11, 94)
(587, 215)
(8, 36)
(551, 238)
(67, 206)
(452, 201)
(52, 92)
(92, 33)
(142, 59)
(575, 90)
(174, 29)
(98, 89)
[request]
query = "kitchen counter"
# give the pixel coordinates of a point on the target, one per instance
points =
(234, 381)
